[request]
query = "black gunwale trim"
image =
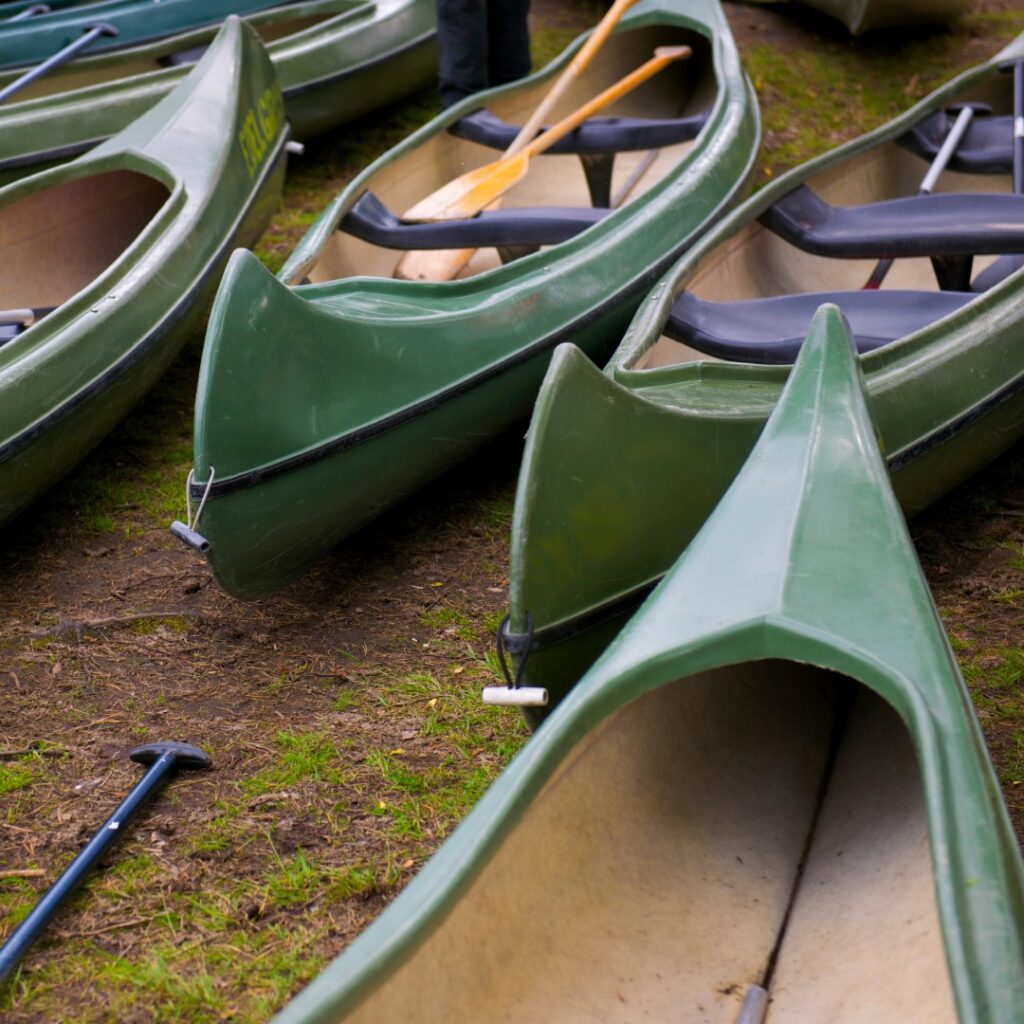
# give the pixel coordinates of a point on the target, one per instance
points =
(243, 481)
(576, 625)
(520, 644)
(60, 152)
(134, 355)
(318, 83)
(957, 425)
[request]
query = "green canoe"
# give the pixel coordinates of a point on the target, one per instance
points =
(319, 405)
(947, 390)
(112, 259)
(34, 40)
(768, 801)
(863, 15)
(336, 60)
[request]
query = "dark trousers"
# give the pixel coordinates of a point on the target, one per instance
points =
(482, 43)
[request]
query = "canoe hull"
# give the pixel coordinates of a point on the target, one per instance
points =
(331, 445)
(113, 351)
(946, 401)
(271, 534)
(864, 15)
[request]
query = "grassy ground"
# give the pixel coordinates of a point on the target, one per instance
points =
(343, 716)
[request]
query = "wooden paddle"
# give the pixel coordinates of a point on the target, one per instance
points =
(477, 189)
(595, 41)
(419, 266)
(467, 195)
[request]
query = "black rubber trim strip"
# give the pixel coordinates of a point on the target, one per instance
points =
(520, 644)
(243, 481)
(126, 362)
(956, 426)
(401, 51)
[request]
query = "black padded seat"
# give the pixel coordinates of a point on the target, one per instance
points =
(772, 330)
(598, 135)
(947, 224)
(370, 220)
(987, 148)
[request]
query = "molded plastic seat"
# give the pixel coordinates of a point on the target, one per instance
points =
(947, 224)
(772, 330)
(987, 148)
(370, 220)
(598, 135)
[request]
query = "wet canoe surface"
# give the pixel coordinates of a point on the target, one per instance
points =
(770, 786)
(322, 404)
(120, 251)
(948, 396)
(335, 59)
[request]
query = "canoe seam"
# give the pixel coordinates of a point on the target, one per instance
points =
(121, 366)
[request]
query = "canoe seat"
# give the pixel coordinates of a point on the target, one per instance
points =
(987, 148)
(598, 135)
(946, 224)
(370, 220)
(14, 321)
(595, 142)
(772, 330)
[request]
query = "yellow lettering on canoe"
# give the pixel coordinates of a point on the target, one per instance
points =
(260, 126)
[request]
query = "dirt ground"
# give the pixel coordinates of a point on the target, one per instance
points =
(342, 715)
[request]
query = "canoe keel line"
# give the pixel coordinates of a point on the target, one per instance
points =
(767, 795)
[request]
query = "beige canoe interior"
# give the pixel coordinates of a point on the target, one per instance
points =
(756, 263)
(757, 825)
(111, 67)
(56, 241)
(681, 90)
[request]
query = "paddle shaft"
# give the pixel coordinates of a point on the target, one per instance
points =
(939, 164)
(88, 37)
(166, 763)
(29, 12)
(477, 189)
(595, 41)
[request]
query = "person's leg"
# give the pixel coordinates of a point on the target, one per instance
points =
(508, 40)
(462, 32)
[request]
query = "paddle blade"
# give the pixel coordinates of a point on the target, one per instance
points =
(474, 191)
(435, 265)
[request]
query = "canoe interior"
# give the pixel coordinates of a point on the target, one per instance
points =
(760, 824)
(756, 263)
(270, 26)
(682, 89)
(55, 241)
